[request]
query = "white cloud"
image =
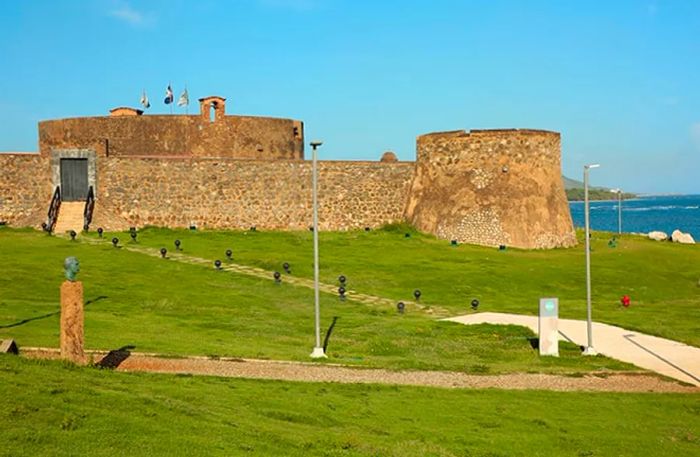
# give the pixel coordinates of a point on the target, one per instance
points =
(126, 13)
(695, 134)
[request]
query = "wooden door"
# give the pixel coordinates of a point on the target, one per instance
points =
(74, 179)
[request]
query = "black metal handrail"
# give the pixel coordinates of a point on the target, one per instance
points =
(89, 208)
(54, 207)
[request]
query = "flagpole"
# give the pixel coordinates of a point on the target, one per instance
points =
(172, 100)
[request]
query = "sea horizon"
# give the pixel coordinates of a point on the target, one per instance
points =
(643, 214)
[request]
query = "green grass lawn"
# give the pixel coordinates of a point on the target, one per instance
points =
(661, 278)
(50, 408)
(174, 308)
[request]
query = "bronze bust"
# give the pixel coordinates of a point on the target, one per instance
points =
(71, 267)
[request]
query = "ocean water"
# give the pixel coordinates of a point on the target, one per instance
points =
(644, 214)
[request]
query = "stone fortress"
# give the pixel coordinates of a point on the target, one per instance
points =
(213, 170)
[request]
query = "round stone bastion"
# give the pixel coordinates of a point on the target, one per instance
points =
(491, 187)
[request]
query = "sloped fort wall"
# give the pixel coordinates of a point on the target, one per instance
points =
(491, 187)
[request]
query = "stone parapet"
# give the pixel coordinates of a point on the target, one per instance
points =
(176, 135)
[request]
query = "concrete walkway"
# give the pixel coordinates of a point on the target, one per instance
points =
(667, 357)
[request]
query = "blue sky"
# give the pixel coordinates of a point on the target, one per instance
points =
(619, 79)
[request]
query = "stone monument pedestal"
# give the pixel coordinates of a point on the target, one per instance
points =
(72, 334)
(548, 325)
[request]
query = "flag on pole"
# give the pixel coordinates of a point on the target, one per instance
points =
(184, 99)
(144, 100)
(169, 97)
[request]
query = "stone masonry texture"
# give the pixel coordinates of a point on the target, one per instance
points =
(226, 193)
(25, 189)
(181, 136)
(492, 187)
(486, 187)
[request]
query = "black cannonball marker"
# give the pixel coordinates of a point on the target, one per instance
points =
(217, 264)
(475, 304)
(285, 265)
(341, 293)
(228, 253)
(454, 242)
(177, 244)
(163, 252)
(72, 235)
(342, 279)
(100, 231)
(277, 277)
(400, 307)
(115, 241)
(417, 294)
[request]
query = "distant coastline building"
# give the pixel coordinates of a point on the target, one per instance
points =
(214, 170)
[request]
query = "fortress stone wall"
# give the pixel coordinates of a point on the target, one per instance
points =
(128, 133)
(212, 170)
(25, 189)
(225, 193)
(491, 187)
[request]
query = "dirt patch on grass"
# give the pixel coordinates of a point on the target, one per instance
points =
(324, 372)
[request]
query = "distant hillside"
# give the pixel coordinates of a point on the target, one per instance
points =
(574, 191)
(573, 184)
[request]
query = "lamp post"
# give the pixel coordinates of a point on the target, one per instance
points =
(619, 211)
(589, 348)
(318, 351)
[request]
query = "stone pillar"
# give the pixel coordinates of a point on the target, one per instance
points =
(72, 335)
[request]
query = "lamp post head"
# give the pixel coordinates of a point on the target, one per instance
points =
(592, 165)
(316, 143)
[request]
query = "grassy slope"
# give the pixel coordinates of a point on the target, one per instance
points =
(168, 307)
(83, 411)
(661, 278)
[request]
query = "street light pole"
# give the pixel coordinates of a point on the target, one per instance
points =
(619, 211)
(318, 351)
(589, 348)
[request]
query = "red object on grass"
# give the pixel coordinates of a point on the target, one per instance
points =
(625, 300)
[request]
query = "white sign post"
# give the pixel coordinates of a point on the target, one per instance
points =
(548, 326)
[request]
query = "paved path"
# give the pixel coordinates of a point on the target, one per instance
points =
(667, 357)
(367, 299)
(343, 374)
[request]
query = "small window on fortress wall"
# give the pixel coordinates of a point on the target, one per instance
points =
(296, 132)
(212, 112)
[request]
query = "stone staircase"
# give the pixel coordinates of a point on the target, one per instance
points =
(70, 217)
